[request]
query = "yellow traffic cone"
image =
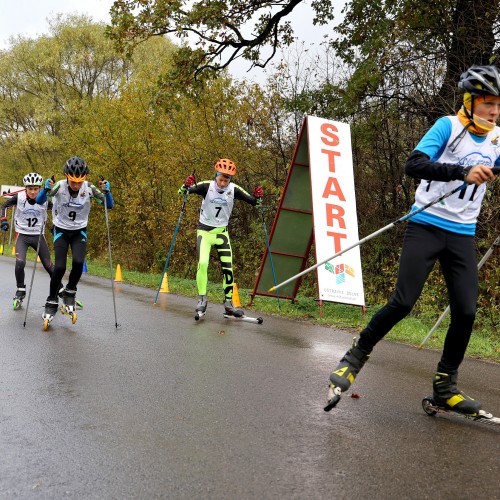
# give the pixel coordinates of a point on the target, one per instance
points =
(38, 259)
(14, 250)
(118, 274)
(164, 284)
(1, 249)
(236, 296)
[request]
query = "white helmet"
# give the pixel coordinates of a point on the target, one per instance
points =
(33, 179)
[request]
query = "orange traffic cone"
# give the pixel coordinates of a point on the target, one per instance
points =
(164, 284)
(236, 296)
(118, 274)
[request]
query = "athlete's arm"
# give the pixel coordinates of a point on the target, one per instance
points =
(421, 165)
(201, 188)
(241, 194)
(9, 203)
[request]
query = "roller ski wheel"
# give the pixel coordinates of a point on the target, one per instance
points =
(244, 318)
(19, 297)
(332, 398)
(201, 307)
(69, 304)
(199, 315)
(484, 417)
(50, 311)
(16, 304)
(69, 311)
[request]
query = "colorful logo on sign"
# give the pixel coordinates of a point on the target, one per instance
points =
(340, 271)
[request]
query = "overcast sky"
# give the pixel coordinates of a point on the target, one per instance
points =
(29, 18)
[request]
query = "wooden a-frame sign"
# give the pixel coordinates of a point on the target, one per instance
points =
(318, 205)
(291, 235)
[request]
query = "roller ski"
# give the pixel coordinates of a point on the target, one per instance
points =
(231, 312)
(201, 307)
(51, 307)
(68, 307)
(19, 297)
(447, 398)
(345, 373)
(78, 303)
(431, 408)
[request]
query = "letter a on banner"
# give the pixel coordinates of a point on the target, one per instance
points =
(334, 211)
(318, 205)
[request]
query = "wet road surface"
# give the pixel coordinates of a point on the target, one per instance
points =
(166, 407)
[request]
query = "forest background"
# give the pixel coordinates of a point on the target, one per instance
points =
(145, 107)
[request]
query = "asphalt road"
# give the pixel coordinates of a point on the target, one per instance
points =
(166, 407)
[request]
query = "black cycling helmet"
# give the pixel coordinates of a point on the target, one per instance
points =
(76, 169)
(481, 80)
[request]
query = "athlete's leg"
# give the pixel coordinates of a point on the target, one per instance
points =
(21, 250)
(225, 254)
(204, 242)
(421, 247)
(44, 254)
(61, 246)
(78, 243)
(459, 265)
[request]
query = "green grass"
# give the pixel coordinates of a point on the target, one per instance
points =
(412, 330)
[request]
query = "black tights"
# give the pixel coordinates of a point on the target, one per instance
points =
(422, 247)
(63, 240)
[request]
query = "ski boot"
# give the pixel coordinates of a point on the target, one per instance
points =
(345, 373)
(68, 306)
(447, 396)
(19, 297)
(230, 310)
(50, 311)
(201, 307)
(61, 292)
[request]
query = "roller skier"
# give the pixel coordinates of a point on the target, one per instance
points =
(218, 200)
(456, 149)
(71, 200)
(29, 221)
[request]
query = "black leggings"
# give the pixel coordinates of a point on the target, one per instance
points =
(63, 239)
(422, 247)
(22, 243)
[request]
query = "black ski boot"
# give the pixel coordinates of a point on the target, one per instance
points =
(68, 307)
(230, 310)
(51, 307)
(345, 373)
(446, 395)
(201, 307)
(19, 297)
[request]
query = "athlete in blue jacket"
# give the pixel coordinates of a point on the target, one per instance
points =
(456, 148)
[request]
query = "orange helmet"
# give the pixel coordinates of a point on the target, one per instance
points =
(225, 166)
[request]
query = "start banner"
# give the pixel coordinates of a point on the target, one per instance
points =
(334, 211)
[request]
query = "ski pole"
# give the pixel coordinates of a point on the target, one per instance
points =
(370, 236)
(13, 192)
(490, 250)
(33, 273)
(109, 253)
(176, 230)
(261, 209)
